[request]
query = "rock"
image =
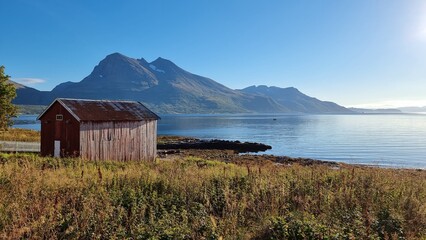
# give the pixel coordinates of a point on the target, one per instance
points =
(236, 146)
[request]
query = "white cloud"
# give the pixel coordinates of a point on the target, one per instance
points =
(28, 81)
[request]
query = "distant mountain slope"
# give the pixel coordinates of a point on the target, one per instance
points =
(29, 96)
(167, 88)
(379, 110)
(413, 109)
(163, 86)
(295, 101)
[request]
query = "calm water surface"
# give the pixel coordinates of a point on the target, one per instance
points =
(27, 122)
(391, 140)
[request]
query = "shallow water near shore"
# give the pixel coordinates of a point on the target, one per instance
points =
(388, 140)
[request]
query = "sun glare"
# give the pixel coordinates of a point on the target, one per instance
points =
(420, 25)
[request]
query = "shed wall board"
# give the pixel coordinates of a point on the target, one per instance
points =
(123, 141)
(98, 140)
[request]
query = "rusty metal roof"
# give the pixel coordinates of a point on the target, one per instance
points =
(105, 110)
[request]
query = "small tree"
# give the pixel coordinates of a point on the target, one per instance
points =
(7, 94)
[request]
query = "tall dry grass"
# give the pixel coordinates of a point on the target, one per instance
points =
(198, 199)
(20, 135)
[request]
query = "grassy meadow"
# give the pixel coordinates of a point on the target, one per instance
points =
(21, 135)
(193, 198)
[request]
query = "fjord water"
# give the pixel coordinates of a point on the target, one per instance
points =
(388, 140)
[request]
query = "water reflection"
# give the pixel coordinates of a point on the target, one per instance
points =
(27, 122)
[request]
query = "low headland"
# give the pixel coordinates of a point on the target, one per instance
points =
(207, 194)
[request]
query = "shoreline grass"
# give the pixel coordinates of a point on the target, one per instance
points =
(194, 198)
(20, 135)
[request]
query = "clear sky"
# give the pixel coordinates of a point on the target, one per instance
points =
(369, 53)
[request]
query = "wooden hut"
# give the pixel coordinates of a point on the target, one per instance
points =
(99, 130)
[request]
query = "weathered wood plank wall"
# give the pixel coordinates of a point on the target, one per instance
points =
(122, 141)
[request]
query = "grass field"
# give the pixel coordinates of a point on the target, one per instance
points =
(193, 198)
(21, 135)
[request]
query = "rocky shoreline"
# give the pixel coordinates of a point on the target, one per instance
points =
(172, 147)
(216, 144)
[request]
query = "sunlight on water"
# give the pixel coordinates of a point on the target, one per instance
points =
(386, 140)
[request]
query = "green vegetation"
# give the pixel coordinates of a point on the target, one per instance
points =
(7, 94)
(30, 109)
(20, 135)
(192, 198)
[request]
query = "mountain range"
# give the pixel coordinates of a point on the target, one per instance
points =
(377, 110)
(166, 88)
(413, 109)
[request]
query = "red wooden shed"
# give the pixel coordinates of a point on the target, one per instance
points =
(99, 130)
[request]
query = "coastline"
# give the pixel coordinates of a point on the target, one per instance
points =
(229, 154)
(241, 153)
(208, 194)
(354, 139)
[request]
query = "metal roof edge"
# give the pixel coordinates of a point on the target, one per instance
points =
(47, 108)
(67, 108)
(59, 100)
(98, 100)
(63, 105)
(158, 117)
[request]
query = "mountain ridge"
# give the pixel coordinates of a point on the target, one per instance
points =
(296, 101)
(166, 88)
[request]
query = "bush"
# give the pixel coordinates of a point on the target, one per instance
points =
(291, 227)
(45, 198)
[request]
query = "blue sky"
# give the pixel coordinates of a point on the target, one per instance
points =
(369, 53)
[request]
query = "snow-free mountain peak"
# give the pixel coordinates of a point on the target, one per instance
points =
(142, 61)
(294, 100)
(167, 88)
